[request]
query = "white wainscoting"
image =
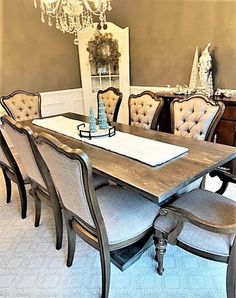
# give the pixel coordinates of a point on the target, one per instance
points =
(62, 101)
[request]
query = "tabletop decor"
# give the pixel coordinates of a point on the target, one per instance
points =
(92, 121)
(102, 117)
(72, 16)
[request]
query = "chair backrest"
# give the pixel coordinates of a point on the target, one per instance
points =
(72, 175)
(22, 105)
(22, 141)
(195, 117)
(6, 156)
(111, 98)
(144, 109)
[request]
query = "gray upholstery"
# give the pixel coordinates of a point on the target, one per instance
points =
(210, 207)
(193, 117)
(22, 146)
(67, 176)
(142, 109)
(126, 214)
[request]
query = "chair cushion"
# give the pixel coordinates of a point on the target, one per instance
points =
(99, 181)
(210, 207)
(126, 214)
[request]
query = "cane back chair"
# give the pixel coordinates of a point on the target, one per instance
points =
(101, 218)
(203, 223)
(22, 105)
(144, 109)
(111, 98)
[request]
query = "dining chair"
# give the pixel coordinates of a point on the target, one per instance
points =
(22, 105)
(108, 219)
(13, 170)
(144, 109)
(203, 223)
(195, 117)
(43, 188)
(111, 98)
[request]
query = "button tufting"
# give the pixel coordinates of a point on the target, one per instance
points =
(188, 131)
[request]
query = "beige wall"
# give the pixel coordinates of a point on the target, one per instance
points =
(35, 56)
(163, 37)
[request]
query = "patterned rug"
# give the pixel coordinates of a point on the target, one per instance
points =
(30, 266)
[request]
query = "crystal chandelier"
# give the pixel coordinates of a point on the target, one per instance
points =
(74, 15)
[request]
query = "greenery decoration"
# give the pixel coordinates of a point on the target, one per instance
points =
(102, 117)
(103, 50)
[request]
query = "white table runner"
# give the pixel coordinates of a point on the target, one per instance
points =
(148, 151)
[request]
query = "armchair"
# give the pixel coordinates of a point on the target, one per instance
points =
(203, 223)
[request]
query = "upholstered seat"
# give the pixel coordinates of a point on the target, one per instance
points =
(111, 98)
(203, 223)
(195, 117)
(13, 170)
(22, 105)
(144, 109)
(109, 218)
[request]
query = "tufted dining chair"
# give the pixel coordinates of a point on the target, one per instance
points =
(144, 109)
(108, 219)
(111, 98)
(22, 105)
(195, 117)
(13, 170)
(41, 182)
(203, 223)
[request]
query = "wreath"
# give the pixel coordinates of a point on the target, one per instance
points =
(103, 50)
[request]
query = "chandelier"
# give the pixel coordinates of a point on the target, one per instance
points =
(73, 16)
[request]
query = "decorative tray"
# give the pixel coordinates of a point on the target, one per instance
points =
(85, 133)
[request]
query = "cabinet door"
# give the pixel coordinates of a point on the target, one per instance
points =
(226, 132)
(99, 78)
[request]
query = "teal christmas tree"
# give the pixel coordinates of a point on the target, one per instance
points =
(92, 121)
(102, 116)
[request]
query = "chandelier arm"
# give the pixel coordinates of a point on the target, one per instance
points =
(95, 11)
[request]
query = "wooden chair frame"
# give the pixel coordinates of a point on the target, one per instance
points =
(158, 110)
(97, 237)
(5, 98)
(182, 216)
(49, 195)
(13, 173)
(211, 129)
(118, 93)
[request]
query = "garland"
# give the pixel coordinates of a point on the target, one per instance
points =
(103, 50)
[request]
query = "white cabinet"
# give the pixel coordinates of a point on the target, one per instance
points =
(96, 77)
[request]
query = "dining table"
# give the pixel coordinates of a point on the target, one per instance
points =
(158, 183)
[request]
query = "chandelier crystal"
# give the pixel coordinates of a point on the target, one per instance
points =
(72, 16)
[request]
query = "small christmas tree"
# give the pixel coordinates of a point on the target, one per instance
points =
(102, 116)
(92, 121)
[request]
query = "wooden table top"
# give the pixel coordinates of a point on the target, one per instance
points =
(156, 183)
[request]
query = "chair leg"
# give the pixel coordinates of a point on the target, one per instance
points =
(231, 273)
(23, 198)
(160, 244)
(223, 187)
(106, 271)
(37, 206)
(58, 222)
(8, 186)
(71, 235)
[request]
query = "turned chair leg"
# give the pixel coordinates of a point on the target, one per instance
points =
(71, 235)
(160, 248)
(231, 273)
(106, 271)
(8, 186)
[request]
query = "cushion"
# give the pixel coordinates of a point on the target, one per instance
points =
(126, 214)
(210, 207)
